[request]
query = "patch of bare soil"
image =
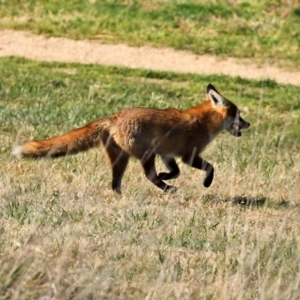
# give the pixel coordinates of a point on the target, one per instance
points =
(24, 44)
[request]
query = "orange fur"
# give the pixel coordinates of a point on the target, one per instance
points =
(147, 132)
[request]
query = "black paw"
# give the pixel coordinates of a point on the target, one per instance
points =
(208, 180)
(163, 176)
(168, 176)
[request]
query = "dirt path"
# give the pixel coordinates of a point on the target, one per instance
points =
(36, 47)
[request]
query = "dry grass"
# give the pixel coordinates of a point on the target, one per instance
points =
(65, 235)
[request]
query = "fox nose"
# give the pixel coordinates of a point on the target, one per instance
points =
(243, 123)
(246, 125)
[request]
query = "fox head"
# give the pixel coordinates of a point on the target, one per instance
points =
(233, 122)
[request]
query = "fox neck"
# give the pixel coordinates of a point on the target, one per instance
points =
(211, 117)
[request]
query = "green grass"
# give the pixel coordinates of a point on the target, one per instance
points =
(266, 31)
(65, 235)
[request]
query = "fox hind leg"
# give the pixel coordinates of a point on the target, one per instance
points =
(172, 166)
(118, 169)
(197, 162)
(119, 161)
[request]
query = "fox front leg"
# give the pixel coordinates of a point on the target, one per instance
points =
(148, 163)
(197, 162)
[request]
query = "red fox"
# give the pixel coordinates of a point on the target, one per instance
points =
(147, 132)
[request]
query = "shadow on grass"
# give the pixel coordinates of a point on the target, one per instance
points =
(260, 201)
(238, 200)
(249, 201)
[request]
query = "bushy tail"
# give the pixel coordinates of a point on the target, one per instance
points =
(74, 141)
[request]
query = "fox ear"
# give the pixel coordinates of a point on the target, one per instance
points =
(211, 87)
(214, 96)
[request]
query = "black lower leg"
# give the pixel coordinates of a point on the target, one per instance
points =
(209, 176)
(118, 169)
(201, 164)
(118, 159)
(150, 172)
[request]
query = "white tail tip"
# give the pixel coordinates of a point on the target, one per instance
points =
(17, 151)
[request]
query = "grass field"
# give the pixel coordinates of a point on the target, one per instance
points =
(65, 235)
(265, 31)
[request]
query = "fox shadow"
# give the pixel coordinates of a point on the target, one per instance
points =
(258, 201)
(241, 200)
(249, 201)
